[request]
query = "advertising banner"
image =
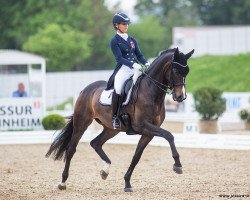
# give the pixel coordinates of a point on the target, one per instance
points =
(21, 114)
(185, 111)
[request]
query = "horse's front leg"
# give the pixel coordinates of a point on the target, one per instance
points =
(143, 142)
(152, 130)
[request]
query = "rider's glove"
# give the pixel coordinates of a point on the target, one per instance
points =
(136, 66)
(147, 64)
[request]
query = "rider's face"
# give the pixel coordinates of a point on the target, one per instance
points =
(123, 28)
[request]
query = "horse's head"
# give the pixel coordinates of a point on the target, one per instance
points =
(177, 73)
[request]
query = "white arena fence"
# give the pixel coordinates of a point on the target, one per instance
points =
(191, 140)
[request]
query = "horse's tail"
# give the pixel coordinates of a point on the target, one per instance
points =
(60, 144)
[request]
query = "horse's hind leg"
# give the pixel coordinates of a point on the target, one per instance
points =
(97, 143)
(80, 126)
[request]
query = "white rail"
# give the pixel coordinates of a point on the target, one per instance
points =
(211, 141)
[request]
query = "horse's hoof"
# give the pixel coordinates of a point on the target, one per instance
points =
(62, 186)
(103, 174)
(177, 170)
(128, 190)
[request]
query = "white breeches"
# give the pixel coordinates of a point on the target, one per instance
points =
(124, 74)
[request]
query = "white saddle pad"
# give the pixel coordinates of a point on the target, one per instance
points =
(106, 97)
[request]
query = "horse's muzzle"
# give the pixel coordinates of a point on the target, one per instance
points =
(179, 98)
(179, 93)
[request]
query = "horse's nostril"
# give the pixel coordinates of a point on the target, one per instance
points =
(180, 98)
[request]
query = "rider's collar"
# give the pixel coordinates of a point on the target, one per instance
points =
(123, 35)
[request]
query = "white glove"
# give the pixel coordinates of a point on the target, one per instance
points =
(147, 64)
(136, 66)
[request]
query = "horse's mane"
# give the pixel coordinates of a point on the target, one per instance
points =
(167, 51)
(161, 55)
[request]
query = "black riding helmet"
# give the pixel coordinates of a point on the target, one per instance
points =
(120, 18)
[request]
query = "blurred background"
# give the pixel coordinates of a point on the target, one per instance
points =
(57, 47)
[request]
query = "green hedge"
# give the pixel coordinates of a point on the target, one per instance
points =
(245, 115)
(53, 122)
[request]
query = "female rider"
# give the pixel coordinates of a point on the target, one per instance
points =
(127, 55)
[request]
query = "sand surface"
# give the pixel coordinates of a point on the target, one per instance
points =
(208, 174)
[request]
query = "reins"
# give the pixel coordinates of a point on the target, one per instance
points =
(161, 86)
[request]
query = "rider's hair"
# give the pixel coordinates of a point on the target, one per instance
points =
(115, 26)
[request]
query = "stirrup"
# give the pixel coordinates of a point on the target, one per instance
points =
(116, 123)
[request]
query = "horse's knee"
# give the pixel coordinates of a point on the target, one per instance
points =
(169, 137)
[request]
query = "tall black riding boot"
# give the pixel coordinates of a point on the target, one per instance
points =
(116, 105)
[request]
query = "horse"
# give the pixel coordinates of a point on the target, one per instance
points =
(147, 113)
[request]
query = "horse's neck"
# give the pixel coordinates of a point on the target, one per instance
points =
(159, 67)
(156, 88)
(158, 75)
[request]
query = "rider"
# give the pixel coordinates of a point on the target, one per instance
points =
(127, 55)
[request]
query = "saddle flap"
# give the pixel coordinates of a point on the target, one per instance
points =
(126, 88)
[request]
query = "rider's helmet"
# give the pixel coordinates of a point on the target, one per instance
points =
(120, 18)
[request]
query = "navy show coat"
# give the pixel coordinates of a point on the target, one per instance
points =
(126, 53)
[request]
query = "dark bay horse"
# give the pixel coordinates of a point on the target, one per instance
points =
(147, 113)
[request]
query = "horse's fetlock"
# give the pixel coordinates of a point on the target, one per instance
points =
(65, 176)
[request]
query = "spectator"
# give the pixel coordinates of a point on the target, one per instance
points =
(20, 92)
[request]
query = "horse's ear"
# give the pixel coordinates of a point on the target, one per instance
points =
(176, 54)
(188, 55)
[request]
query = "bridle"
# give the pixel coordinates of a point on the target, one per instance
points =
(183, 71)
(170, 87)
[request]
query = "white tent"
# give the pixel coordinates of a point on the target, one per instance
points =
(36, 77)
(15, 57)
